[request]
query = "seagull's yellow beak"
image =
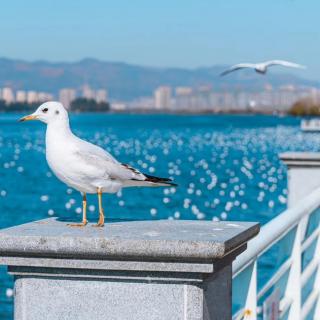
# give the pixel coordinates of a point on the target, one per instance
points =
(29, 117)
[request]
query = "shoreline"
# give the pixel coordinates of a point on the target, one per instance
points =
(166, 112)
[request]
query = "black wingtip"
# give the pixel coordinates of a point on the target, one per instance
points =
(160, 180)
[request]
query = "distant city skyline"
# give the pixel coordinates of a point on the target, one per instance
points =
(175, 99)
(168, 34)
(65, 95)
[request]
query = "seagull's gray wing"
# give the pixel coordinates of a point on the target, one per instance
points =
(238, 67)
(128, 175)
(93, 149)
(283, 63)
(106, 165)
(100, 164)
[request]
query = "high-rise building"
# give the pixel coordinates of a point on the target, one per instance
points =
(184, 99)
(32, 97)
(66, 96)
(101, 95)
(162, 97)
(87, 92)
(21, 96)
(7, 95)
(202, 98)
(183, 91)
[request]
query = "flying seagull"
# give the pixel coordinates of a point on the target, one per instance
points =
(262, 67)
(83, 165)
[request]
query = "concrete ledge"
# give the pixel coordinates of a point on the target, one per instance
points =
(301, 159)
(147, 270)
(186, 240)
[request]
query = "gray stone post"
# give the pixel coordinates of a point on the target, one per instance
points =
(303, 174)
(152, 270)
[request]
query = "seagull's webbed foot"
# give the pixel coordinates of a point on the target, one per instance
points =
(98, 225)
(79, 225)
(100, 221)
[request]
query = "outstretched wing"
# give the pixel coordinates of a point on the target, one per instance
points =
(283, 63)
(237, 67)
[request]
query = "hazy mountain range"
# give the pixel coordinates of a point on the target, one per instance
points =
(126, 81)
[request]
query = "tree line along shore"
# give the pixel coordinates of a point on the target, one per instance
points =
(77, 105)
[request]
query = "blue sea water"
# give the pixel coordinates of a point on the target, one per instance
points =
(227, 167)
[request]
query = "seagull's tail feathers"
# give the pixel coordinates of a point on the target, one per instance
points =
(140, 179)
(150, 181)
(159, 181)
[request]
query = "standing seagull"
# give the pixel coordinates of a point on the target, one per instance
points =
(262, 67)
(83, 165)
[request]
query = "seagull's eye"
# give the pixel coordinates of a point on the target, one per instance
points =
(45, 110)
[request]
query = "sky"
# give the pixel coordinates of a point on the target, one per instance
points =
(166, 33)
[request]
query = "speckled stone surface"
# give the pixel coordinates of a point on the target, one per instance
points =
(153, 270)
(142, 239)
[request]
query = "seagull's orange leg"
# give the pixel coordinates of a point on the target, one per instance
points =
(84, 214)
(101, 212)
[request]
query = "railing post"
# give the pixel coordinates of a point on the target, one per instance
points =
(293, 288)
(317, 281)
(245, 293)
(251, 301)
(146, 270)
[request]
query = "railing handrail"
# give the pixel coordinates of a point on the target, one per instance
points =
(275, 229)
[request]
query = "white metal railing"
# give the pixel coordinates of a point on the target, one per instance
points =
(292, 240)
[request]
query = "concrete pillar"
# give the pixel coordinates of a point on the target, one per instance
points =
(303, 174)
(151, 270)
(303, 179)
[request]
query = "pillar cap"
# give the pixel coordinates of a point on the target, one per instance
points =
(301, 159)
(139, 240)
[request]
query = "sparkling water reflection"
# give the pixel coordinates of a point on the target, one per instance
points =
(227, 167)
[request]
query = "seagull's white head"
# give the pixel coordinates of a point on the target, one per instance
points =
(49, 112)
